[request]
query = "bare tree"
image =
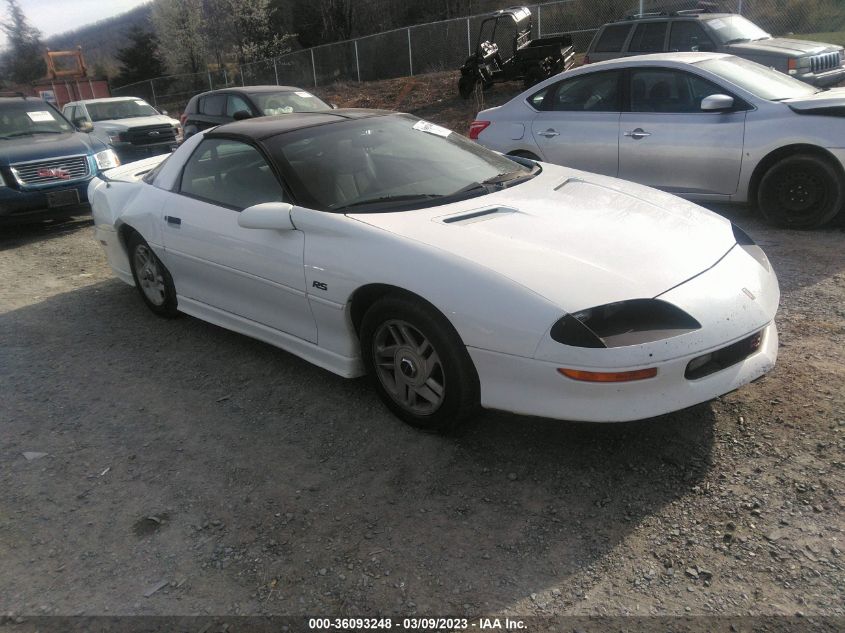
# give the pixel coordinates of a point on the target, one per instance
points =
(180, 27)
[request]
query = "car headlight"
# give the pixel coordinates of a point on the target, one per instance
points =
(117, 137)
(106, 159)
(623, 323)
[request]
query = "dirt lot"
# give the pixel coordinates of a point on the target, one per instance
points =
(192, 470)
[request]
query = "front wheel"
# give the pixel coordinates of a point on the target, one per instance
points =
(418, 365)
(801, 192)
(151, 277)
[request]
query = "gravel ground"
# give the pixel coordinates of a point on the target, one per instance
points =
(192, 470)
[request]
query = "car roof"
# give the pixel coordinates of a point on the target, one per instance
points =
(266, 126)
(645, 17)
(252, 90)
(640, 60)
(106, 100)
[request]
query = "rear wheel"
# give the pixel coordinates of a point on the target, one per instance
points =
(418, 365)
(466, 86)
(801, 192)
(152, 279)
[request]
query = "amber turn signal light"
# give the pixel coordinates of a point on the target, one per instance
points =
(602, 376)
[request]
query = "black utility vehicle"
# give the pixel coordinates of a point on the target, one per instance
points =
(519, 57)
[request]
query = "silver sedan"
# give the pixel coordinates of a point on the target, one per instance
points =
(705, 126)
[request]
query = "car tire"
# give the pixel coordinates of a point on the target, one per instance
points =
(466, 86)
(418, 364)
(802, 191)
(152, 279)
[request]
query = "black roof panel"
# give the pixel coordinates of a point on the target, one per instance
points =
(267, 126)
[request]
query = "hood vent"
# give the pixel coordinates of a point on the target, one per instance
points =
(480, 215)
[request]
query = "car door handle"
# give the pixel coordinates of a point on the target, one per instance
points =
(637, 134)
(171, 220)
(550, 133)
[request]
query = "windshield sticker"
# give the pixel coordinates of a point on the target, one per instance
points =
(717, 24)
(425, 126)
(41, 116)
(301, 93)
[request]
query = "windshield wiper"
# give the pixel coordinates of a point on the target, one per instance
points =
(31, 132)
(383, 199)
(738, 40)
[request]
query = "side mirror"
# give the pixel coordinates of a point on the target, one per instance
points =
(164, 112)
(333, 105)
(240, 115)
(717, 103)
(83, 125)
(267, 215)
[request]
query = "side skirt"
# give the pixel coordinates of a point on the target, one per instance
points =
(335, 363)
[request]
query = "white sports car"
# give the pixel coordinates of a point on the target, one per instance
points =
(374, 242)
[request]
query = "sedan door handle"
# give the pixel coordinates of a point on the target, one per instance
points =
(171, 220)
(550, 133)
(637, 134)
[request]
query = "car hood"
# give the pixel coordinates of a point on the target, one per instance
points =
(47, 146)
(577, 239)
(781, 46)
(121, 125)
(830, 100)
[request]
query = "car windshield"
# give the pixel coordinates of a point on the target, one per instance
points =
(30, 117)
(124, 109)
(759, 80)
(389, 163)
(275, 103)
(735, 28)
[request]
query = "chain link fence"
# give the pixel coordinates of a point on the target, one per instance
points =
(445, 45)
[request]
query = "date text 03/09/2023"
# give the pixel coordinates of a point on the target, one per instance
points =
(416, 624)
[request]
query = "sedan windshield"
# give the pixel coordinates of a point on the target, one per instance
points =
(127, 109)
(389, 163)
(275, 103)
(30, 117)
(735, 28)
(759, 80)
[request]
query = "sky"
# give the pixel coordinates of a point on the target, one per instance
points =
(52, 17)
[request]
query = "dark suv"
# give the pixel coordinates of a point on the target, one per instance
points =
(217, 107)
(45, 162)
(812, 62)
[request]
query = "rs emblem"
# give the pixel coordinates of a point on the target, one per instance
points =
(319, 285)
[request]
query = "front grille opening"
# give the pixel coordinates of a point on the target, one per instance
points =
(708, 364)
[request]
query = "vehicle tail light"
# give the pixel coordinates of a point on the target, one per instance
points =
(183, 118)
(613, 376)
(586, 60)
(792, 66)
(476, 127)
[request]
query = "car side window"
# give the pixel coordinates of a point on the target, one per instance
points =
(594, 92)
(613, 38)
(649, 38)
(213, 105)
(687, 36)
(236, 103)
(671, 91)
(231, 174)
(71, 113)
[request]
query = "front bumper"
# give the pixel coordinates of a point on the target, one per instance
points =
(20, 206)
(532, 387)
(129, 153)
(824, 80)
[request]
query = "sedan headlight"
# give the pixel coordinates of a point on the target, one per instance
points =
(106, 159)
(623, 323)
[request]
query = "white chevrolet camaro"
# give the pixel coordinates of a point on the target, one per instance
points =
(374, 242)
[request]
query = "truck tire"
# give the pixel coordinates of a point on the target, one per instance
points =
(466, 86)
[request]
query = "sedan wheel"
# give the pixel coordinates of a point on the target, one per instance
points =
(151, 277)
(418, 364)
(801, 192)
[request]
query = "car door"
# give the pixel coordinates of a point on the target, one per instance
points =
(578, 122)
(256, 274)
(667, 141)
